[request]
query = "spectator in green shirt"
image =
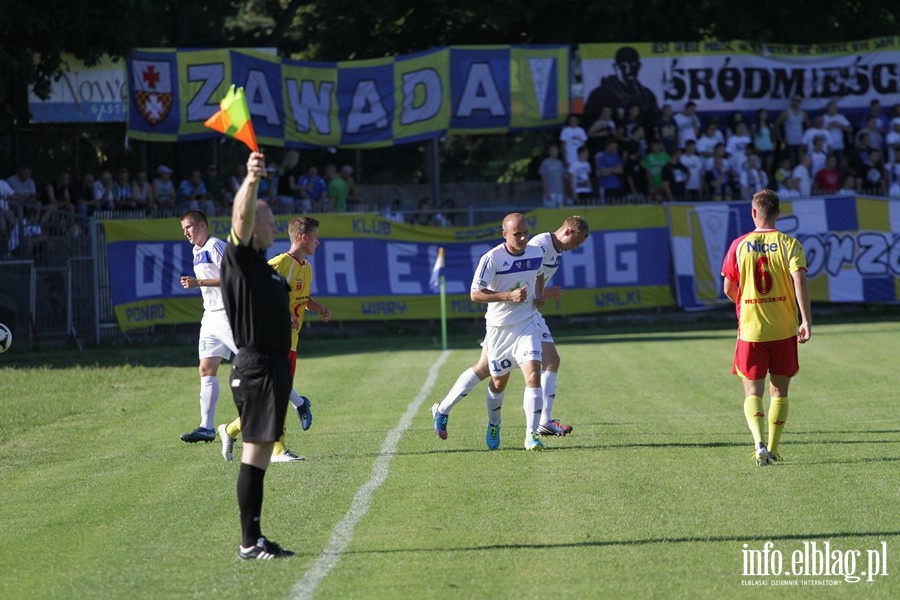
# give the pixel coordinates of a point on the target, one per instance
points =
(654, 162)
(337, 190)
(215, 186)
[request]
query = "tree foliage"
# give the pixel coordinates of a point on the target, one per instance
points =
(37, 35)
(349, 29)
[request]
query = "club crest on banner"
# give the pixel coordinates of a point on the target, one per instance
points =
(152, 88)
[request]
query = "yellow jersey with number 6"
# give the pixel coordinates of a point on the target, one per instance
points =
(761, 263)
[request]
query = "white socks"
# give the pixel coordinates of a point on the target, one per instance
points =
(532, 402)
(295, 398)
(494, 403)
(464, 385)
(209, 397)
(548, 384)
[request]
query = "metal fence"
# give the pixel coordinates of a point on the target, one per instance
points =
(49, 304)
(17, 298)
(47, 280)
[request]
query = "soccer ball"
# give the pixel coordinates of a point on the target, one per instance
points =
(5, 338)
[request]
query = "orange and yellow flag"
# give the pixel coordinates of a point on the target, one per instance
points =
(233, 118)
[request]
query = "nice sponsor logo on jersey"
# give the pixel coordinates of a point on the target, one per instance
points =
(759, 246)
(813, 563)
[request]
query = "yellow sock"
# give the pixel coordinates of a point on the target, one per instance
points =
(753, 411)
(234, 428)
(279, 447)
(778, 412)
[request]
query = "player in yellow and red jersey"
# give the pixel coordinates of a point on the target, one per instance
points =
(297, 271)
(765, 276)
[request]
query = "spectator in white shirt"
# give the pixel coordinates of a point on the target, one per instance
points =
(803, 175)
(572, 138)
(736, 148)
(817, 131)
(688, 124)
(839, 127)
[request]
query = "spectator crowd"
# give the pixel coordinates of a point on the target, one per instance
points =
(611, 158)
(667, 156)
(30, 210)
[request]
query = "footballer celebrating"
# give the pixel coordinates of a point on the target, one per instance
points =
(573, 232)
(505, 279)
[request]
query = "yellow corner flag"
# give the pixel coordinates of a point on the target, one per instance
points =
(233, 118)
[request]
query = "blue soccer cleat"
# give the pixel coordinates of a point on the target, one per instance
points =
(533, 442)
(304, 411)
(440, 422)
(492, 436)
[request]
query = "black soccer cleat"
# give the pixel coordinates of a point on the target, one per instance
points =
(199, 435)
(263, 550)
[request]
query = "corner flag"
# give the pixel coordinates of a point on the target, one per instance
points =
(437, 272)
(437, 281)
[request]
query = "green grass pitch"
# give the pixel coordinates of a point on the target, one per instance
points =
(653, 495)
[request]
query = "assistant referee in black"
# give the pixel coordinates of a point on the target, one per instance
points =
(256, 302)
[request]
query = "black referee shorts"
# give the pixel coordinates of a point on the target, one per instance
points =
(261, 387)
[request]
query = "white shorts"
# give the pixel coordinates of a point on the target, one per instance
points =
(546, 336)
(508, 347)
(216, 339)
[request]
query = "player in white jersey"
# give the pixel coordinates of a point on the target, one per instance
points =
(216, 339)
(505, 279)
(570, 235)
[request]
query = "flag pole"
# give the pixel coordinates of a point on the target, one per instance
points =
(443, 313)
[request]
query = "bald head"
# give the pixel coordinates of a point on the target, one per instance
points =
(512, 221)
(515, 233)
(263, 226)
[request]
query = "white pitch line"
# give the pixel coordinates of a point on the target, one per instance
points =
(343, 531)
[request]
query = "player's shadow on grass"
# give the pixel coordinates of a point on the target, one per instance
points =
(659, 337)
(842, 432)
(829, 535)
(846, 461)
(722, 444)
(99, 358)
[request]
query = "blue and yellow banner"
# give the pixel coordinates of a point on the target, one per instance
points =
(368, 268)
(851, 246)
(351, 104)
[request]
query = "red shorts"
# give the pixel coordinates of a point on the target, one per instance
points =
(292, 356)
(754, 360)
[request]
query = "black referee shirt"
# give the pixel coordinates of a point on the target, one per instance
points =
(256, 301)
